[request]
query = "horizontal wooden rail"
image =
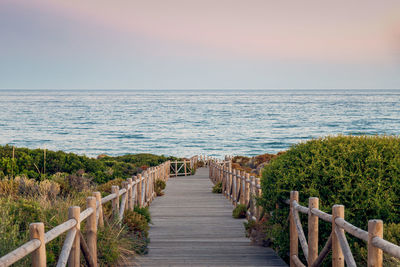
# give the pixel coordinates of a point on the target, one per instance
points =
(137, 191)
(241, 187)
(58, 230)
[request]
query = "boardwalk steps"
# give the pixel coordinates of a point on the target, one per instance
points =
(194, 227)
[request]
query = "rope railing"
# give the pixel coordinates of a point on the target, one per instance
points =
(138, 190)
(241, 188)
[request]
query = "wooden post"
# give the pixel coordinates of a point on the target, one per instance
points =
(375, 255)
(139, 190)
(143, 189)
(75, 254)
(252, 194)
(227, 177)
(135, 191)
(337, 253)
(115, 201)
(91, 229)
(126, 185)
(168, 170)
(97, 195)
(176, 168)
(223, 180)
(243, 188)
(313, 203)
(130, 190)
(247, 198)
(230, 176)
(36, 231)
(238, 186)
(294, 236)
(258, 194)
(148, 183)
(234, 187)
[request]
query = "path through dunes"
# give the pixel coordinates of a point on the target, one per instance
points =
(194, 227)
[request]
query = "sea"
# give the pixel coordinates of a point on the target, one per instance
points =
(190, 122)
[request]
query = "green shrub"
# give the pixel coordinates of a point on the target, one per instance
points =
(33, 164)
(239, 212)
(362, 173)
(143, 211)
(136, 223)
(217, 188)
(159, 187)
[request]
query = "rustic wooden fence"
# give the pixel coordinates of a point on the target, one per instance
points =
(137, 191)
(241, 188)
(238, 186)
(184, 168)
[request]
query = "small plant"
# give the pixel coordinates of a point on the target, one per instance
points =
(136, 223)
(159, 187)
(239, 212)
(257, 231)
(8, 187)
(143, 211)
(217, 188)
(114, 243)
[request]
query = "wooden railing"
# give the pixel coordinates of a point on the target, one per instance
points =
(183, 168)
(137, 191)
(238, 186)
(242, 188)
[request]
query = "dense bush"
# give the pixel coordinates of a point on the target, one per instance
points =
(239, 211)
(217, 188)
(362, 173)
(34, 163)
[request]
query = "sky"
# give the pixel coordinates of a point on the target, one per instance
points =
(195, 44)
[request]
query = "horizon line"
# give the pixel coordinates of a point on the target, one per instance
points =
(183, 89)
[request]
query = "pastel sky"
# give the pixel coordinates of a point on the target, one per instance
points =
(189, 44)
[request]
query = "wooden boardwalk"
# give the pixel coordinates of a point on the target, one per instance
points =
(194, 227)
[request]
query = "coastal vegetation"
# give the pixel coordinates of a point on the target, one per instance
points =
(360, 172)
(217, 188)
(40, 186)
(239, 212)
(159, 187)
(41, 164)
(253, 165)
